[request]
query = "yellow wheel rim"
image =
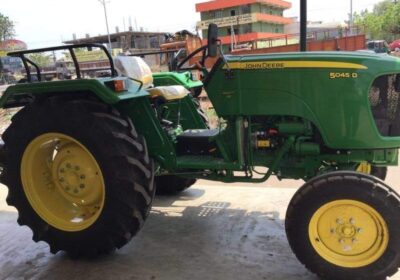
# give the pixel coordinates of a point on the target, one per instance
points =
(348, 233)
(63, 182)
(364, 167)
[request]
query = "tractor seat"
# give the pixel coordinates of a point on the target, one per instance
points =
(169, 93)
(136, 68)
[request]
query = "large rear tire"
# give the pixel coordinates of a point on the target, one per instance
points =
(345, 225)
(78, 174)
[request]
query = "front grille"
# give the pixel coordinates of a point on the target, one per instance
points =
(385, 102)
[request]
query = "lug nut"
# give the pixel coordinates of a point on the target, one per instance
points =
(82, 186)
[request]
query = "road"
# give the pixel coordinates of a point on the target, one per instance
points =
(212, 231)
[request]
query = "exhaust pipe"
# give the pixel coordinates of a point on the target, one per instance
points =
(303, 25)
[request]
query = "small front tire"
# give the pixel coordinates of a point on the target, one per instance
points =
(345, 225)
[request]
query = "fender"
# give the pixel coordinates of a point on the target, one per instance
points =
(21, 94)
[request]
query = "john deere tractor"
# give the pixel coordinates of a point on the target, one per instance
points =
(82, 158)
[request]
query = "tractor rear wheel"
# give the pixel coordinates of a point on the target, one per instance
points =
(345, 225)
(78, 174)
(171, 185)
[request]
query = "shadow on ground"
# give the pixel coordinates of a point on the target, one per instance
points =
(190, 236)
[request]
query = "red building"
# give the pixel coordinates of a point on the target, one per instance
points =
(244, 21)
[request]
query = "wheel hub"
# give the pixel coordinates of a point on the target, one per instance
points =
(75, 194)
(348, 233)
(69, 179)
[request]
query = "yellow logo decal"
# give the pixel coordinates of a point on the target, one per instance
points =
(259, 65)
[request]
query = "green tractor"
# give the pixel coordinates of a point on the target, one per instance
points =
(83, 158)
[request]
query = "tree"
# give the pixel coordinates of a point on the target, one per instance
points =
(7, 30)
(383, 22)
(42, 60)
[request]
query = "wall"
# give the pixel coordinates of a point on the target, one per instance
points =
(351, 43)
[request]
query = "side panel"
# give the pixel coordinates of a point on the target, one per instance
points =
(146, 123)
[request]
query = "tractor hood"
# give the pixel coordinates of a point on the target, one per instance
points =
(330, 89)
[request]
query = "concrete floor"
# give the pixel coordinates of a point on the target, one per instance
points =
(212, 231)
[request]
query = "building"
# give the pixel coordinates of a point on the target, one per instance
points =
(129, 41)
(133, 41)
(319, 30)
(244, 22)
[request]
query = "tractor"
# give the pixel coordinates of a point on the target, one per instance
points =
(83, 158)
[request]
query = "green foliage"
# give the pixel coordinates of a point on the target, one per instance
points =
(42, 60)
(383, 22)
(7, 30)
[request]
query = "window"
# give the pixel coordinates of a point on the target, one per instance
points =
(219, 14)
(246, 9)
(246, 28)
(233, 13)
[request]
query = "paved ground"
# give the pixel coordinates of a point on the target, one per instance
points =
(212, 231)
(3, 88)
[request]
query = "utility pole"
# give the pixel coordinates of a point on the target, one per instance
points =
(103, 2)
(351, 18)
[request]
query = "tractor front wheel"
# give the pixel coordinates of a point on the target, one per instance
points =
(78, 174)
(345, 225)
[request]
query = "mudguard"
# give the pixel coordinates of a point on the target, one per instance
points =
(20, 94)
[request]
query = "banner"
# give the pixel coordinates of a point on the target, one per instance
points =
(228, 21)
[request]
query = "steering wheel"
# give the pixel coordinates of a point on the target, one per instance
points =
(200, 65)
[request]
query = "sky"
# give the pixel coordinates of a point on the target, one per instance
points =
(42, 23)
